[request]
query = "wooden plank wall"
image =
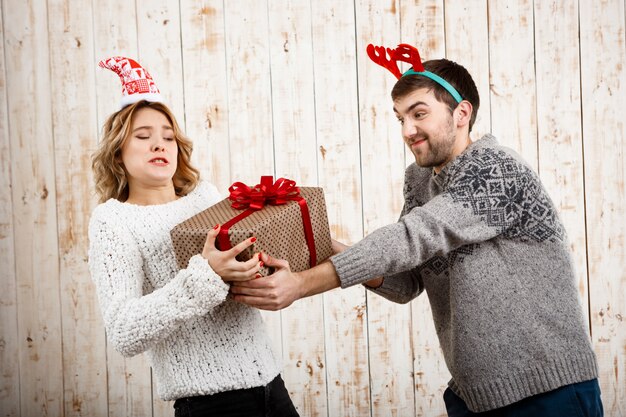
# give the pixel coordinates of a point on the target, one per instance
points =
(285, 88)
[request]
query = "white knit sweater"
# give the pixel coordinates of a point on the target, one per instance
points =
(199, 341)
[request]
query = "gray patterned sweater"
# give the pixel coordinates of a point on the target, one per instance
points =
(484, 240)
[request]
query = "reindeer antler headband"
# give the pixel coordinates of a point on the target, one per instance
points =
(409, 54)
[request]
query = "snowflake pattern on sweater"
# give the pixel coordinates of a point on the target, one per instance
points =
(198, 340)
(485, 243)
(505, 193)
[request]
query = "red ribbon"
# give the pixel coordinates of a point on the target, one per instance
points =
(269, 192)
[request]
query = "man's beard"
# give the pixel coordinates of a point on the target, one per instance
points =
(439, 149)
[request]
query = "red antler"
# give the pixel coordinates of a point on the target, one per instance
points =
(378, 54)
(404, 53)
(407, 53)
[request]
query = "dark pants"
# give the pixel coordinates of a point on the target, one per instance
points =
(271, 400)
(575, 400)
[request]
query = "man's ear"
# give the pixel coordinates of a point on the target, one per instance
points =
(463, 113)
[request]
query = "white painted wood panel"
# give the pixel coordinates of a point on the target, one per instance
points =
(206, 96)
(382, 171)
(336, 107)
(285, 88)
(160, 51)
(467, 42)
(73, 92)
(250, 124)
(603, 96)
(512, 77)
(423, 25)
(559, 126)
(296, 157)
(128, 379)
(34, 210)
(9, 346)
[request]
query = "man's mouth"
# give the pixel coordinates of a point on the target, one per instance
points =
(417, 143)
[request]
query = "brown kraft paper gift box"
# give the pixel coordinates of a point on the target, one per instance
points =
(279, 229)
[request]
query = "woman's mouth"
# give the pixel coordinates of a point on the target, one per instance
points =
(159, 161)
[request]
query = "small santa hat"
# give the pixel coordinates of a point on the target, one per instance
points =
(137, 84)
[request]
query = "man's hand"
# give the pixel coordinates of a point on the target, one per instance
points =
(337, 246)
(273, 292)
(283, 287)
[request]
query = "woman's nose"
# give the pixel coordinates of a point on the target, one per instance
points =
(158, 146)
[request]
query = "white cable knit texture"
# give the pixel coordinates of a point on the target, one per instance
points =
(199, 341)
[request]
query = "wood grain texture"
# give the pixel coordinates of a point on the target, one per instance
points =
(129, 383)
(9, 346)
(85, 393)
(249, 82)
(34, 210)
(559, 128)
(336, 107)
(512, 77)
(295, 151)
(205, 92)
(603, 96)
(285, 88)
(159, 50)
(467, 42)
(382, 173)
(423, 24)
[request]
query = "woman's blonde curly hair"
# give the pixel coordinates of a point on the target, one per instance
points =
(109, 172)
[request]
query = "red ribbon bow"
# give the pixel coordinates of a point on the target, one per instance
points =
(267, 192)
(255, 198)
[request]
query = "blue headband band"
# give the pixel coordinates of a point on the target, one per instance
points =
(439, 81)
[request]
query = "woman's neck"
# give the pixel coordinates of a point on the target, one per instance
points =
(147, 196)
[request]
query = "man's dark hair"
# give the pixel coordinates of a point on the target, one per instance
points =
(450, 71)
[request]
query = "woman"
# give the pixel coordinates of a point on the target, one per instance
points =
(208, 353)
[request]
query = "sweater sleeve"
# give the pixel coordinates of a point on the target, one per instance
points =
(134, 321)
(482, 199)
(400, 288)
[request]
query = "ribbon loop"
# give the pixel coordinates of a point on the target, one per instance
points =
(267, 192)
(255, 198)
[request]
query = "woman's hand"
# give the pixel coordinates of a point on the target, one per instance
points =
(224, 263)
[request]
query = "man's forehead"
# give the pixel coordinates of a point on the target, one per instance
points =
(422, 96)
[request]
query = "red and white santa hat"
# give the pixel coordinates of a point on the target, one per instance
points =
(137, 84)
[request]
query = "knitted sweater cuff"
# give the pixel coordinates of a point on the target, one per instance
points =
(352, 267)
(204, 285)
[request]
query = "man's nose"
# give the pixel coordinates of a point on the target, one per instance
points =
(408, 130)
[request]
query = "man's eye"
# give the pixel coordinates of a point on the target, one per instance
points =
(401, 121)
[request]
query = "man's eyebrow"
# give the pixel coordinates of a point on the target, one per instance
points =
(412, 106)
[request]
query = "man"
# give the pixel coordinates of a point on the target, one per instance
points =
(479, 233)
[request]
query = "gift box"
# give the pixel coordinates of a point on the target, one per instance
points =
(289, 223)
